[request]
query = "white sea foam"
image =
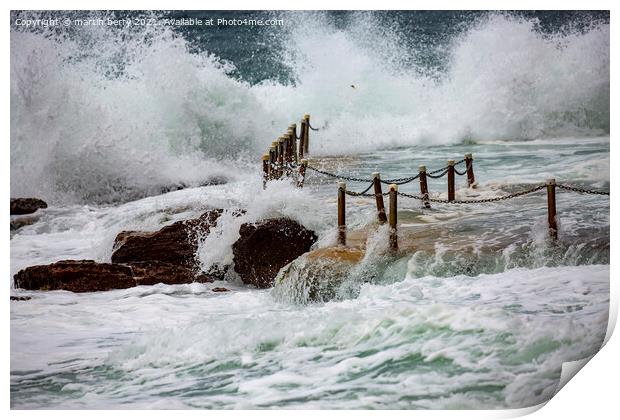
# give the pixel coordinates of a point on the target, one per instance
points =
(108, 116)
(500, 339)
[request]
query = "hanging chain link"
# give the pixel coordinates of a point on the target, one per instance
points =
(347, 178)
(363, 193)
(581, 190)
(432, 174)
(444, 168)
(480, 201)
(464, 172)
(397, 181)
(441, 175)
(312, 128)
(483, 200)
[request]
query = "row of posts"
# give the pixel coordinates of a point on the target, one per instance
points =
(286, 151)
(392, 216)
(471, 179)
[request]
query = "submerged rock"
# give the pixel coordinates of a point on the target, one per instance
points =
(90, 276)
(20, 298)
(318, 276)
(26, 205)
(176, 243)
(18, 222)
(265, 247)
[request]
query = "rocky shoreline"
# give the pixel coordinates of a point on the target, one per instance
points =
(169, 256)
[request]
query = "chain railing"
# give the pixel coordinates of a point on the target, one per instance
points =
(393, 194)
(581, 190)
(286, 154)
(397, 181)
(285, 158)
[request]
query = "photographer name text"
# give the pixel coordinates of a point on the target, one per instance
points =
(142, 21)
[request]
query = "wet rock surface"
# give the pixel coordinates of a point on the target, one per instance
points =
(90, 276)
(26, 205)
(318, 276)
(265, 247)
(175, 244)
(18, 222)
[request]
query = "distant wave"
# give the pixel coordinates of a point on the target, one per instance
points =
(104, 115)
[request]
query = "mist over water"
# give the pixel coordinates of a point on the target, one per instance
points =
(101, 114)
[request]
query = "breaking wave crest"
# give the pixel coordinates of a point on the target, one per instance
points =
(101, 115)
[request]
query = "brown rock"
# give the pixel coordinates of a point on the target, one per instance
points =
(176, 243)
(90, 276)
(26, 205)
(20, 298)
(220, 289)
(265, 247)
(76, 276)
(148, 273)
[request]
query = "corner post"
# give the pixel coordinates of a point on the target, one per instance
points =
(376, 180)
(302, 139)
(307, 134)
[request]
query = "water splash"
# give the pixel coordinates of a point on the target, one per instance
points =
(100, 115)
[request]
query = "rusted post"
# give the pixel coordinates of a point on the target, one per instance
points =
(376, 180)
(284, 154)
(280, 157)
(302, 139)
(342, 225)
(551, 214)
(290, 141)
(451, 180)
(469, 162)
(286, 144)
(302, 173)
(393, 216)
(291, 144)
(273, 159)
(307, 134)
(265, 170)
(423, 186)
(293, 127)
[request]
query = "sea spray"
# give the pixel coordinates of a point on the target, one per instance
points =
(124, 113)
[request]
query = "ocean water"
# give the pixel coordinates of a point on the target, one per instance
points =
(480, 311)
